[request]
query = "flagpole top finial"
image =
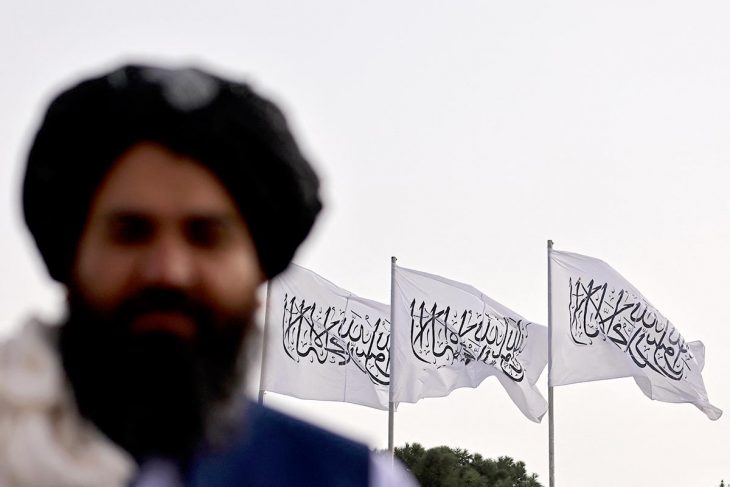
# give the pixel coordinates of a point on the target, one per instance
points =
(393, 259)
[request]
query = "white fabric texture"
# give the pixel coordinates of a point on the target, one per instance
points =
(43, 440)
(604, 328)
(323, 342)
(449, 335)
(158, 472)
(384, 472)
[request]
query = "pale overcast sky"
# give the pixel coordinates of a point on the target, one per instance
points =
(459, 136)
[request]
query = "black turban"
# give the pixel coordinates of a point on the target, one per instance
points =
(240, 136)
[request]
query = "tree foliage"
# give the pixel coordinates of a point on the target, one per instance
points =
(455, 467)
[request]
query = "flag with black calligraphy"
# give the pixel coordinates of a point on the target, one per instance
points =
(449, 335)
(325, 343)
(604, 328)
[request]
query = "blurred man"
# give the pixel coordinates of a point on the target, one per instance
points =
(161, 199)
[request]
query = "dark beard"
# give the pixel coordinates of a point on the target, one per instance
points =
(152, 393)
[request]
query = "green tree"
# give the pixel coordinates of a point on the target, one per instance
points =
(455, 467)
(410, 454)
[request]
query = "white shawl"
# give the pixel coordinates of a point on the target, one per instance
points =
(43, 440)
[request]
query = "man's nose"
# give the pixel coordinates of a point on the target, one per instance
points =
(168, 262)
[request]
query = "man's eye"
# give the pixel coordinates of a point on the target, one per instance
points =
(206, 233)
(129, 231)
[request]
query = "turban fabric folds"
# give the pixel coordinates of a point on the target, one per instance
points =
(240, 136)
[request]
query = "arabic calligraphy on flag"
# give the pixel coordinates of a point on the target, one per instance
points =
(604, 328)
(449, 335)
(445, 337)
(325, 343)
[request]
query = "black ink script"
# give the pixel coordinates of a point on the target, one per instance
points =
(600, 312)
(444, 336)
(329, 335)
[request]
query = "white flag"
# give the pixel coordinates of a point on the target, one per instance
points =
(325, 343)
(603, 328)
(449, 335)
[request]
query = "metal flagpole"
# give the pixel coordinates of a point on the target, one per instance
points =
(391, 407)
(551, 416)
(265, 341)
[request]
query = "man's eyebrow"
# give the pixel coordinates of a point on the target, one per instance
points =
(220, 216)
(125, 214)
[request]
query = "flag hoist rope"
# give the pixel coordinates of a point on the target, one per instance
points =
(551, 424)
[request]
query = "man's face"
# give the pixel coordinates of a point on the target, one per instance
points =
(161, 220)
(163, 292)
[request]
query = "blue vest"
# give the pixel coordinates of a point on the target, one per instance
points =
(273, 449)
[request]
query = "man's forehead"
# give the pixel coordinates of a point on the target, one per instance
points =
(148, 177)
